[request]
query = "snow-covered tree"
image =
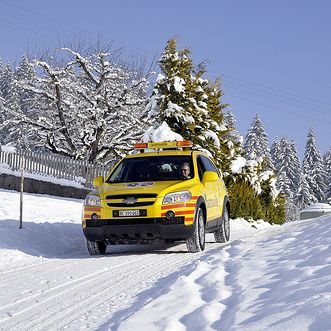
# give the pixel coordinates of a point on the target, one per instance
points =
(303, 197)
(275, 154)
(2, 120)
(287, 166)
(6, 77)
(89, 107)
(256, 143)
(190, 104)
(292, 211)
(327, 165)
(313, 168)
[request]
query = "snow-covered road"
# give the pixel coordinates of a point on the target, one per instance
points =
(271, 278)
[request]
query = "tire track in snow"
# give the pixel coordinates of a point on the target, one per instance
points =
(60, 306)
(135, 280)
(27, 303)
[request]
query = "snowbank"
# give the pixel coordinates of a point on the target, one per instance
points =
(277, 280)
(51, 228)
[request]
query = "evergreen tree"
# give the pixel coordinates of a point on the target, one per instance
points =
(2, 120)
(287, 166)
(292, 211)
(25, 75)
(256, 144)
(327, 165)
(303, 197)
(313, 168)
(191, 106)
(6, 77)
(275, 155)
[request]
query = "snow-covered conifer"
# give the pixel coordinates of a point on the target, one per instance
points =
(190, 104)
(2, 120)
(256, 143)
(6, 77)
(303, 197)
(313, 168)
(327, 165)
(287, 166)
(275, 154)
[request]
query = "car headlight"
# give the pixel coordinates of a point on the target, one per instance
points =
(177, 197)
(92, 200)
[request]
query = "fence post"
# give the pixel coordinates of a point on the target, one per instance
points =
(21, 194)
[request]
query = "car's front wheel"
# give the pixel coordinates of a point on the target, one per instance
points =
(96, 247)
(196, 243)
(222, 235)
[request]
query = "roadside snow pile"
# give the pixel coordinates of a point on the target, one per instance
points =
(277, 280)
(51, 227)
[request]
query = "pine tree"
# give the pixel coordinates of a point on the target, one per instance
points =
(327, 165)
(287, 166)
(313, 168)
(275, 152)
(6, 77)
(256, 144)
(190, 104)
(2, 120)
(303, 197)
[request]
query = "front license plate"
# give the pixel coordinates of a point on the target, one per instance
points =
(126, 213)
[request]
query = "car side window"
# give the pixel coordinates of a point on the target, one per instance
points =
(209, 166)
(201, 167)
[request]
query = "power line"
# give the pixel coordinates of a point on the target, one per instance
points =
(280, 109)
(279, 98)
(274, 89)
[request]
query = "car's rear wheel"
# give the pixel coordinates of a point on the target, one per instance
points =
(222, 235)
(96, 247)
(196, 243)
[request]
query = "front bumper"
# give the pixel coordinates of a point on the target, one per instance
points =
(137, 230)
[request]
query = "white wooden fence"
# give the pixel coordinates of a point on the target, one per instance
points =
(52, 165)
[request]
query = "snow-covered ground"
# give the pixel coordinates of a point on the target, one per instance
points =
(265, 278)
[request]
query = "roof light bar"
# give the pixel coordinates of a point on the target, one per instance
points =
(164, 144)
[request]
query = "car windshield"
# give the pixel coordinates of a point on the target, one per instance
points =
(152, 168)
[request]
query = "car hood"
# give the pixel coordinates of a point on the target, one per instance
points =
(158, 187)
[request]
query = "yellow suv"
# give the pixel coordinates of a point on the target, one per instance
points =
(168, 192)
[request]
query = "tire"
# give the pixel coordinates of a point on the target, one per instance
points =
(196, 243)
(96, 247)
(222, 235)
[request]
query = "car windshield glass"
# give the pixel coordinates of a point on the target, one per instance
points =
(152, 168)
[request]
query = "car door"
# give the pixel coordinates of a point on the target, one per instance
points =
(218, 188)
(210, 191)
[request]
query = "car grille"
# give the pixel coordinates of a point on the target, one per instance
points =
(142, 199)
(135, 221)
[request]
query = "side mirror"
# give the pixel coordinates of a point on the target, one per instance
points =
(98, 181)
(210, 176)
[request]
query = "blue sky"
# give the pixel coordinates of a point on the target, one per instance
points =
(273, 56)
